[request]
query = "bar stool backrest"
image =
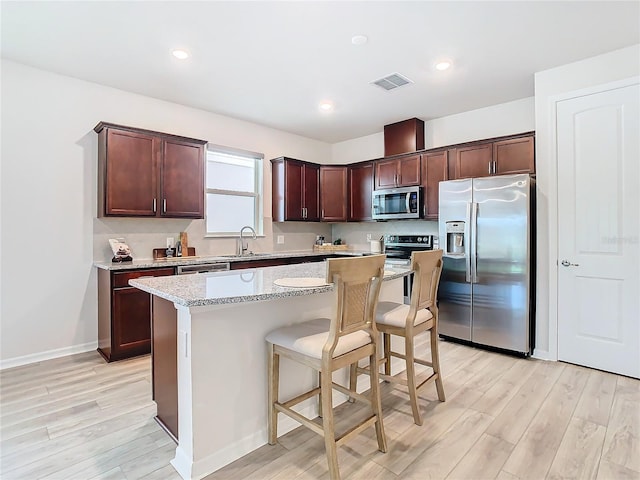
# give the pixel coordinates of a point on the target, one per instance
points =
(427, 266)
(357, 282)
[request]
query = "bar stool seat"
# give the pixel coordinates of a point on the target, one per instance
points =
(308, 338)
(329, 344)
(395, 314)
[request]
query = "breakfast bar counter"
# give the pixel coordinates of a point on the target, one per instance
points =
(209, 355)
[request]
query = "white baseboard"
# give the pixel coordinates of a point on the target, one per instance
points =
(48, 355)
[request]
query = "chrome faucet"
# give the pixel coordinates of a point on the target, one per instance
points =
(241, 246)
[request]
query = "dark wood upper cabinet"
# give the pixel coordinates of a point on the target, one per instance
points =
(333, 193)
(127, 163)
(149, 174)
(182, 174)
(360, 189)
(397, 172)
(403, 137)
(474, 161)
(434, 171)
(498, 157)
(295, 187)
(514, 156)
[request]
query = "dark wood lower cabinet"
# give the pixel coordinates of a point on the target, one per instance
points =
(124, 313)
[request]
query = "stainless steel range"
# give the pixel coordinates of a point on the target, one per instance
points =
(398, 249)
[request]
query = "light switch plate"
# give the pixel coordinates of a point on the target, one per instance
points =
(280, 239)
(169, 242)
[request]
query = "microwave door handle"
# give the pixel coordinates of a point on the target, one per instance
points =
(408, 203)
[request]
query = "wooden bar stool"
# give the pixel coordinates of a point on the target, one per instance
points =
(408, 321)
(327, 345)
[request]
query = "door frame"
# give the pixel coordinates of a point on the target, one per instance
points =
(553, 245)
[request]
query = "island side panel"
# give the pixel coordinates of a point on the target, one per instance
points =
(223, 374)
(164, 349)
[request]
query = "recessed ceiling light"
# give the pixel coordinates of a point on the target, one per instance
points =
(443, 65)
(326, 106)
(180, 54)
(359, 39)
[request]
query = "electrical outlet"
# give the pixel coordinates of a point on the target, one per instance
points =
(368, 237)
(280, 239)
(169, 242)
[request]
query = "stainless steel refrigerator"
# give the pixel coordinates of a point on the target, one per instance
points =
(487, 284)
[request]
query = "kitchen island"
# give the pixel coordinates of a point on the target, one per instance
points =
(209, 356)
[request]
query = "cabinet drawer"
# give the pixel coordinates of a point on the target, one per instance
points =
(121, 279)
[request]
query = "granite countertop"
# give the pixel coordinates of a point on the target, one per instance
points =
(199, 260)
(237, 286)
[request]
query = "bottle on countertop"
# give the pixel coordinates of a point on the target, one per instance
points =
(178, 249)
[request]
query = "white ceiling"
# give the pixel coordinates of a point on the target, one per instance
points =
(273, 62)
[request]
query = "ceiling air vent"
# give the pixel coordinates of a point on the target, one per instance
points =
(392, 81)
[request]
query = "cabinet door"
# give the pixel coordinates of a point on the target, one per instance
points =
(131, 322)
(409, 171)
(128, 168)
(434, 171)
(514, 156)
(182, 179)
(293, 190)
(475, 161)
(333, 194)
(360, 188)
(386, 173)
(311, 198)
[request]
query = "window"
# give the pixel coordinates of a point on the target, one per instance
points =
(234, 191)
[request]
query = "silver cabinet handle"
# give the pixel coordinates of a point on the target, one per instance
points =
(154, 205)
(490, 166)
(567, 263)
(164, 205)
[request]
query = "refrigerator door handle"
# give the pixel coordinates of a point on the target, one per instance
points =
(467, 254)
(474, 242)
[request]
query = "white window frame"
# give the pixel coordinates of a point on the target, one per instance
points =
(257, 192)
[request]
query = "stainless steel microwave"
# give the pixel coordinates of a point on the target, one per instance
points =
(397, 203)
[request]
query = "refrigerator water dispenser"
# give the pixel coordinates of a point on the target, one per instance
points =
(455, 238)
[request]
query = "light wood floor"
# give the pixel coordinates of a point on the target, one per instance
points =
(505, 418)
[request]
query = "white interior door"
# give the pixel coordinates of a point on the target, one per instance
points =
(598, 138)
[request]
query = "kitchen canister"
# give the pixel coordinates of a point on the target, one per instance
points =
(376, 246)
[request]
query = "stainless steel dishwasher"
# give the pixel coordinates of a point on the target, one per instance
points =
(203, 268)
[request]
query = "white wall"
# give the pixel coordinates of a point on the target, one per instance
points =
(495, 121)
(549, 84)
(48, 189)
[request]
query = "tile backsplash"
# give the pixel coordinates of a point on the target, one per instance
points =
(355, 234)
(145, 234)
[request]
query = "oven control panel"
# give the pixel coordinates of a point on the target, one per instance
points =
(421, 241)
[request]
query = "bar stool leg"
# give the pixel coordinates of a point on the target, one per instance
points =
(386, 342)
(411, 378)
(353, 380)
(329, 428)
(376, 404)
(435, 361)
(320, 395)
(274, 380)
